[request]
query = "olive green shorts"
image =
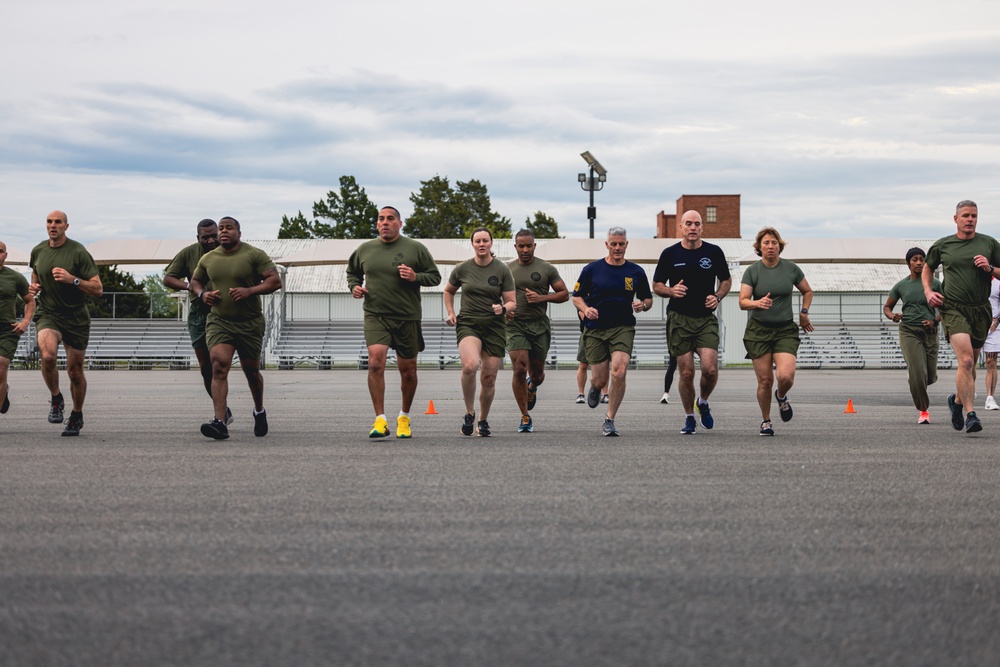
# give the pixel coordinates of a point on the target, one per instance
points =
(247, 336)
(581, 351)
(8, 341)
(760, 339)
(535, 336)
(404, 336)
(600, 343)
(196, 327)
(687, 334)
(491, 332)
(74, 326)
(968, 318)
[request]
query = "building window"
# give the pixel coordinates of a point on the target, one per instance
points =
(710, 214)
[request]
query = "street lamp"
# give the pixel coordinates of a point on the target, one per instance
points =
(591, 184)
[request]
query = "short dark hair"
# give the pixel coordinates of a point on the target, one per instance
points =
(525, 232)
(207, 222)
(398, 214)
(913, 252)
(229, 217)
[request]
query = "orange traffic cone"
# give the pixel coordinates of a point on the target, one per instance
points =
(850, 408)
(430, 409)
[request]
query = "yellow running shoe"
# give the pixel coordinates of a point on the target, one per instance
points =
(403, 427)
(380, 428)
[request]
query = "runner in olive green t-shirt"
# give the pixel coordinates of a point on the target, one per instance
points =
(239, 275)
(63, 276)
(529, 331)
(487, 295)
(178, 276)
(13, 286)
(388, 273)
(772, 336)
(918, 334)
(969, 261)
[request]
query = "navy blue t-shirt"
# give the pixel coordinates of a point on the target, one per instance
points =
(698, 269)
(611, 290)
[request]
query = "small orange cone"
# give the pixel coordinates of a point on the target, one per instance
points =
(850, 408)
(430, 409)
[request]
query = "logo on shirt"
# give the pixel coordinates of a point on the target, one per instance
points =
(493, 281)
(628, 285)
(705, 263)
(576, 286)
(397, 260)
(536, 276)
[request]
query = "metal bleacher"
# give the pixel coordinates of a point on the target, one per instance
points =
(860, 345)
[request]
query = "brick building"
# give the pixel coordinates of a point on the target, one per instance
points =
(720, 215)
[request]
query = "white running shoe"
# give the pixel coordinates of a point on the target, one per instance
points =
(665, 398)
(991, 404)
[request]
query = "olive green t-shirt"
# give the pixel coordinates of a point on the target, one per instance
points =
(911, 293)
(779, 280)
(12, 286)
(375, 264)
(964, 282)
(244, 267)
(73, 258)
(482, 286)
(182, 267)
(538, 277)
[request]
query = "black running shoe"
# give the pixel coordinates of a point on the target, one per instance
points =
(957, 418)
(532, 394)
(56, 409)
(215, 429)
(229, 416)
(484, 429)
(73, 424)
(260, 424)
(972, 423)
(468, 423)
(6, 402)
(593, 396)
(784, 407)
(766, 428)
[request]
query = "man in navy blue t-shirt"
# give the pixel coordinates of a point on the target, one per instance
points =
(694, 275)
(609, 293)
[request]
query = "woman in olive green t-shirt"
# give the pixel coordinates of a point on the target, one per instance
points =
(772, 336)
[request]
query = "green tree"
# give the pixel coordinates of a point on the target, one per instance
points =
(348, 214)
(123, 298)
(442, 212)
(160, 304)
(543, 226)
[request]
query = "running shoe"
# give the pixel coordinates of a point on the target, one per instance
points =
(56, 409)
(580, 398)
(784, 407)
(766, 428)
(705, 415)
(593, 396)
(215, 429)
(6, 402)
(689, 425)
(991, 403)
(924, 418)
(525, 426)
(380, 428)
(609, 429)
(665, 398)
(972, 423)
(260, 424)
(957, 419)
(484, 428)
(532, 394)
(604, 398)
(468, 423)
(75, 423)
(229, 416)
(403, 427)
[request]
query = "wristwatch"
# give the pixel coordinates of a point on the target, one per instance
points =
(76, 281)
(804, 311)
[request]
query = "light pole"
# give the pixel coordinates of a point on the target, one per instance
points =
(592, 184)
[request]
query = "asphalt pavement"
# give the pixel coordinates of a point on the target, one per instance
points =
(846, 539)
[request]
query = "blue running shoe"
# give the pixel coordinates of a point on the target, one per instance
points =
(705, 413)
(689, 425)
(532, 394)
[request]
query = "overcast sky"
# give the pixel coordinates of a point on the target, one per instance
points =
(854, 119)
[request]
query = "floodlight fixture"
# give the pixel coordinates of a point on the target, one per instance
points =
(595, 165)
(591, 184)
